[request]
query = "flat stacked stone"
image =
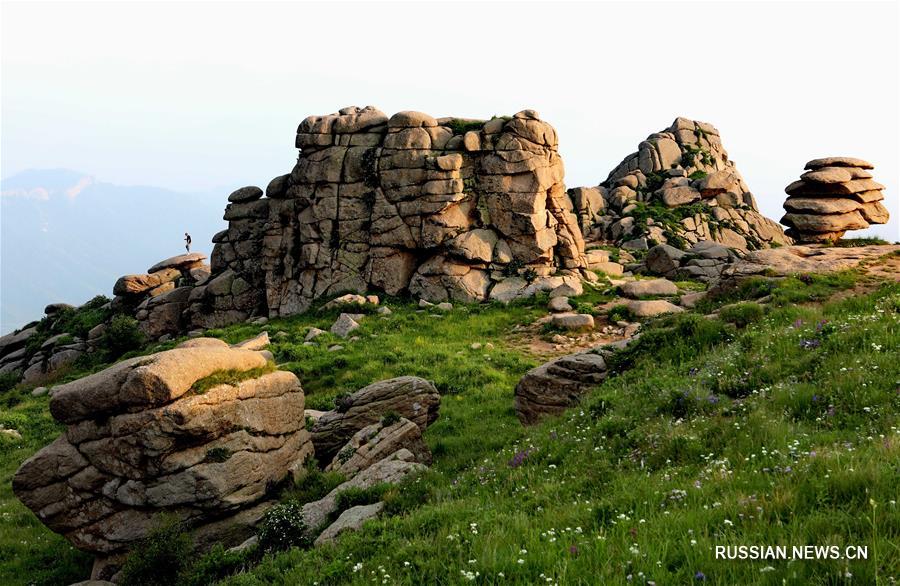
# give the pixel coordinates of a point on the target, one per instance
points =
(834, 195)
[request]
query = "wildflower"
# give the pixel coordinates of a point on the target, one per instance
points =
(520, 561)
(573, 549)
(700, 576)
(766, 569)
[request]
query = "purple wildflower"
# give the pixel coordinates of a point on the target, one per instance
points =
(700, 576)
(798, 323)
(573, 549)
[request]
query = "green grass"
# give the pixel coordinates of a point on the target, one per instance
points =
(860, 241)
(229, 377)
(781, 431)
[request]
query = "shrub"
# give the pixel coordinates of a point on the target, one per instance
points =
(314, 485)
(218, 454)
(345, 454)
(216, 564)
(741, 314)
(342, 402)
(620, 313)
(8, 381)
(121, 335)
(160, 557)
(283, 527)
(390, 418)
(354, 497)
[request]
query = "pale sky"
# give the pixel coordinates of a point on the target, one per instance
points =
(208, 95)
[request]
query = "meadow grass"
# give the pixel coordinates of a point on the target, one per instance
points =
(780, 429)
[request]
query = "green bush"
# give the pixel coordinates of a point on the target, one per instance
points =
(314, 485)
(8, 381)
(741, 314)
(620, 313)
(354, 497)
(160, 557)
(121, 335)
(283, 527)
(214, 565)
(390, 418)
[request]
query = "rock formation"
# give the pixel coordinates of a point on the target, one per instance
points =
(835, 195)
(442, 208)
(158, 298)
(144, 438)
(685, 168)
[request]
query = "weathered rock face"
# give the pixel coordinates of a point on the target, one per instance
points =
(142, 441)
(557, 385)
(835, 195)
(410, 397)
(683, 165)
(442, 208)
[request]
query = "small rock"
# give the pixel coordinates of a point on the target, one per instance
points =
(245, 545)
(573, 321)
(11, 433)
(445, 306)
(350, 520)
(690, 299)
(636, 289)
(475, 346)
(38, 391)
(488, 346)
(385, 310)
(312, 334)
(344, 325)
(335, 348)
(559, 304)
(652, 308)
(258, 342)
(423, 304)
(573, 289)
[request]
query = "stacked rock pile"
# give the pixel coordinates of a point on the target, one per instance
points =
(836, 194)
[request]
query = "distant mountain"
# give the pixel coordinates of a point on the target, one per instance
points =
(65, 236)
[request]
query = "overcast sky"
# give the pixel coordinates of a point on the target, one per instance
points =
(208, 95)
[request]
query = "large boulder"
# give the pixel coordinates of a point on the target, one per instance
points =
(557, 385)
(149, 436)
(410, 397)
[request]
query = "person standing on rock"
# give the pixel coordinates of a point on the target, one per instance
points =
(187, 242)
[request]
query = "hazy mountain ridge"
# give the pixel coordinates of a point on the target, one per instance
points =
(67, 237)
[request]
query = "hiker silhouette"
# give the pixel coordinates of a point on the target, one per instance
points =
(187, 242)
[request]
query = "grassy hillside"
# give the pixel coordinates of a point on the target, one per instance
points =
(771, 425)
